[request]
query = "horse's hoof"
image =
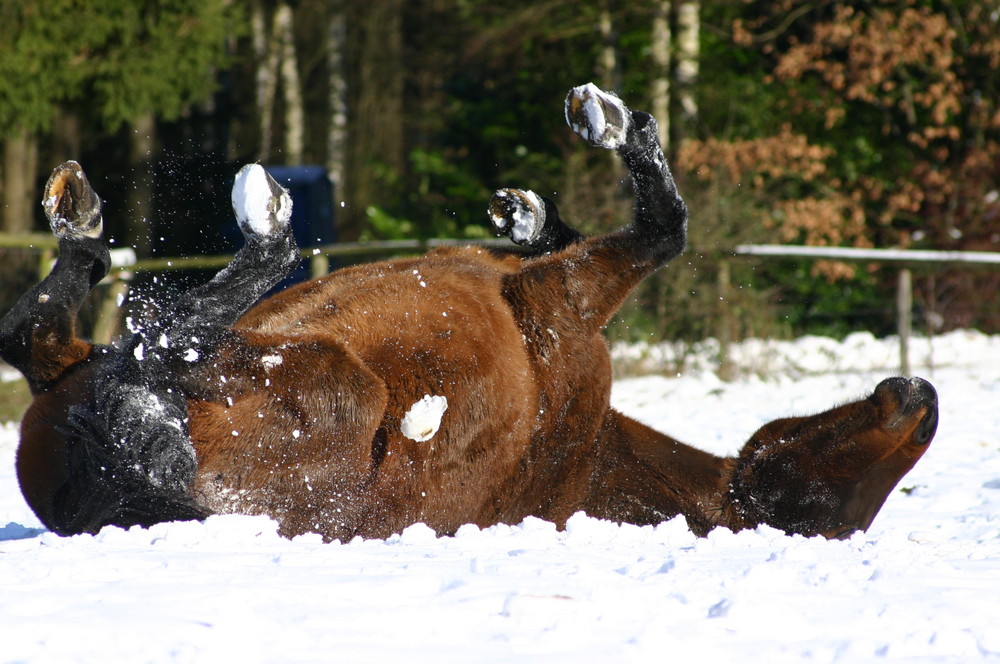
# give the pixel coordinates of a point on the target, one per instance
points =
(518, 214)
(262, 206)
(599, 117)
(71, 205)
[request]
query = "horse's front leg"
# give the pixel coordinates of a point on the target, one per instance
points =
(594, 275)
(658, 231)
(531, 221)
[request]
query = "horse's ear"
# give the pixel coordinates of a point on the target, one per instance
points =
(38, 335)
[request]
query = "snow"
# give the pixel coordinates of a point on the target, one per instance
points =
(921, 585)
(271, 361)
(423, 419)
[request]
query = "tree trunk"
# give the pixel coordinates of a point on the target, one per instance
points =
(66, 136)
(336, 152)
(660, 84)
(139, 197)
(688, 54)
(291, 85)
(377, 147)
(607, 64)
(266, 52)
(20, 163)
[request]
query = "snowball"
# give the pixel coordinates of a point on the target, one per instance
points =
(423, 419)
(271, 361)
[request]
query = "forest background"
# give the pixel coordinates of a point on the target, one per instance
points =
(864, 124)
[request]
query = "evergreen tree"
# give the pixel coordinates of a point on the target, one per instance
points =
(119, 61)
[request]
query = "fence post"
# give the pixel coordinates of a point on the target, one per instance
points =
(904, 317)
(109, 312)
(725, 321)
(319, 265)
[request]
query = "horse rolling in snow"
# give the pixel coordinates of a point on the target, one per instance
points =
(463, 386)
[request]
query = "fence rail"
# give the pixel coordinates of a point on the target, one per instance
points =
(907, 259)
(125, 264)
(859, 255)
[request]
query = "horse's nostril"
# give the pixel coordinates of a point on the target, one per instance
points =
(927, 427)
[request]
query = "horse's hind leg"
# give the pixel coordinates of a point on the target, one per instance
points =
(131, 460)
(187, 330)
(38, 335)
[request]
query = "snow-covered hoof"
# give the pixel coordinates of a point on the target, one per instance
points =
(518, 214)
(71, 205)
(262, 206)
(599, 117)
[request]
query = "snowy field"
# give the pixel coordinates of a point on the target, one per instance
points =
(923, 585)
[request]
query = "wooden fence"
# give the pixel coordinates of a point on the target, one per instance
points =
(906, 260)
(125, 265)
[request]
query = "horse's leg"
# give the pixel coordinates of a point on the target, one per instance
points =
(658, 231)
(131, 460)
(188, 329)
(561, 300)
(595, 275)
(38, 336)
(531, 220)
(284, 425)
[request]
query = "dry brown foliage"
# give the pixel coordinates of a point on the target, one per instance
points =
(919, 82)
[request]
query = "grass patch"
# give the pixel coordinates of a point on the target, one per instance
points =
(14, 400)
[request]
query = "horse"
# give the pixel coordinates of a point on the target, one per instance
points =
(466, 385)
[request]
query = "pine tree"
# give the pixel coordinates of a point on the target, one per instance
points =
(123, 61)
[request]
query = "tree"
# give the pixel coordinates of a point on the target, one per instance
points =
(157, 59)
(661, 42)
(336, 46)
(119, 62)
(43, 52)
(904, 95)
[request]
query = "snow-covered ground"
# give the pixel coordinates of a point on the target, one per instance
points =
(923, 585)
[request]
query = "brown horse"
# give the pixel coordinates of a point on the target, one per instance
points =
(464, 386)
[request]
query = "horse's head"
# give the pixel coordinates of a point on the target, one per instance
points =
(830, 473)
